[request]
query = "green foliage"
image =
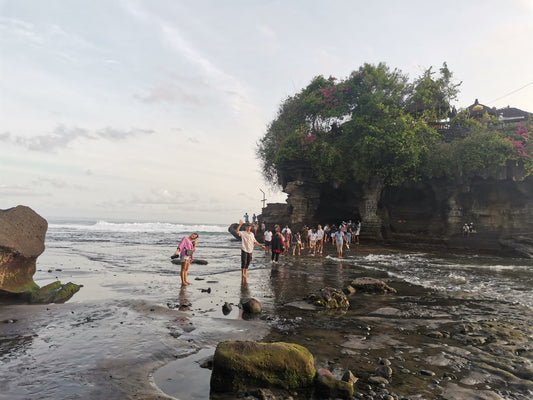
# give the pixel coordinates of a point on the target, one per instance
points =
(479, 152)
(431, 98)
(377, 123)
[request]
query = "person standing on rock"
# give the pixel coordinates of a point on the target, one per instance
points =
(247, 247)
(185, 250)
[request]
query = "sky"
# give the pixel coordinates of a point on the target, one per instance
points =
(152, 110)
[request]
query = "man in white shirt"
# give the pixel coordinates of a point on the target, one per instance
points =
(247, 247)
(268, 239)
(319, 239)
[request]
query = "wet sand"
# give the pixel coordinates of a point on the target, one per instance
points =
(128, 339)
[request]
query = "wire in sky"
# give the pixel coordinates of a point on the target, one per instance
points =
(510, 93)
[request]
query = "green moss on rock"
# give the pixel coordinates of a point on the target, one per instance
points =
(241, 364)
(54, 292)
(330, 387)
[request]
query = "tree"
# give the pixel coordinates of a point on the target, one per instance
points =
(378, 124)
(431, 98)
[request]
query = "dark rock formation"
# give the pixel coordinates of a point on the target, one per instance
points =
(239, 365)
(177, 261)
(420, 214)
(251, 306)
(226, 308)
(22, 234)
(278, 213)
(329, 298)
(371, 285)
(329, 387)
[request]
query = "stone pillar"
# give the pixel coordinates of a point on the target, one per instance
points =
(303, 200)
(371, 224)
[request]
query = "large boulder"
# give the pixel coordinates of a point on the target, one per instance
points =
(22, 235)
(251, 306)
(241, 365)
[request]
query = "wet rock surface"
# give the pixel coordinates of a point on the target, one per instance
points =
(419, 344)
(438, 345)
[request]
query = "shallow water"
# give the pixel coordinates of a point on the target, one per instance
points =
(123, 325)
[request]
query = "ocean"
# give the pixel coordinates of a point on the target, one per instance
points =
(123, 327)
(144, 247)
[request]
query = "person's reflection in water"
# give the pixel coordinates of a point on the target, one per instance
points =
(245, 295)
(245, 292)
(184, 303)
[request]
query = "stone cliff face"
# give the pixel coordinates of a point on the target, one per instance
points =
(500, 205)
(22, 234)
(22, 237)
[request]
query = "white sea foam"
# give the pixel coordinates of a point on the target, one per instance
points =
(162, 227)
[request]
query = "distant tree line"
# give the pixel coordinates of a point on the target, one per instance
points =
(377, 123)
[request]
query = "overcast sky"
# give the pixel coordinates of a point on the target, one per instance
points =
(151, 110)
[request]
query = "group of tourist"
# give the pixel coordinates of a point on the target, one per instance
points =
(278, 242)
(313, 239)
(468, 229)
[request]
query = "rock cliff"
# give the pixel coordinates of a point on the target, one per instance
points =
(426, 213)
(22, 234)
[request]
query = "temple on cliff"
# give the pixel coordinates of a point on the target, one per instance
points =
(507, 115)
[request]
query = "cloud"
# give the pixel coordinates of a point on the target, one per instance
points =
(168, 92)
(62, 136)
(175, 39)
(269, 39)
(57, 184)
(164, 196)
(18, 191)
(21, 30)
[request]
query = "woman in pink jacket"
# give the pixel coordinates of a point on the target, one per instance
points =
(185, 251)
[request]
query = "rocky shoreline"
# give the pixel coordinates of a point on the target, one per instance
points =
(407, 343)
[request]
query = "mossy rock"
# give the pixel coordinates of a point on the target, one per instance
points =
(239, 365)
(54, 292)
(329, 387)
(329, 298)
